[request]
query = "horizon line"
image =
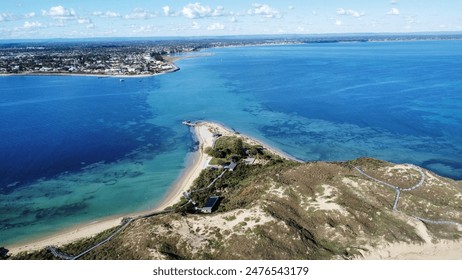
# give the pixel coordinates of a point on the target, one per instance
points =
(419, 33)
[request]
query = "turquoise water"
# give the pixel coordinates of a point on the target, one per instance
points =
(76, 149)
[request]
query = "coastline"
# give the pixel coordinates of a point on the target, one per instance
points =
(227, 131)
(197, 161)
(174, 69)
(203, 131)
(170, 60)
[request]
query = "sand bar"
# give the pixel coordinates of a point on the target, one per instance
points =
(204, 132)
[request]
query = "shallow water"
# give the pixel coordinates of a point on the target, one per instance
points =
(76, 149)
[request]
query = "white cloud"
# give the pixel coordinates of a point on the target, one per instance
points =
(32, 25)
(145, 29)
(412, 20)
(197, 10)
(196, 25)
(264, 10)
(109, 14)
(349, 12)
(30, 15)
(233, 19)
(59, 12)
(394, 11)
(140, 14)
(291, 7)
(166, 10)
(6, 17)
(338, 22)
(394, 2)
(216, 26)
(84, 21)
(57, 24)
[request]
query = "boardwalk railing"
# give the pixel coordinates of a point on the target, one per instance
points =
(398, 192)
(438, 222)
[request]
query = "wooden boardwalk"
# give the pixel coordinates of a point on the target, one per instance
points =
(397, 189)
(125, 223)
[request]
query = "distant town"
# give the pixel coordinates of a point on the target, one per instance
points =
(134, 57)
(87, 59)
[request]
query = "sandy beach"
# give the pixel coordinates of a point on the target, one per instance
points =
(225, 131)
(444, 250)
(203, 131)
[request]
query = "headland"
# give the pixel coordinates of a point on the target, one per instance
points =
(327, 210)
(205, 132)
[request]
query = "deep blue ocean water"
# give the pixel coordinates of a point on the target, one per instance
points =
(76, 149)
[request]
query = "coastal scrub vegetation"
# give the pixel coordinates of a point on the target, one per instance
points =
(288, 210)
(232, 148)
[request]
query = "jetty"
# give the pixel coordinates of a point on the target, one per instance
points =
(189, 123)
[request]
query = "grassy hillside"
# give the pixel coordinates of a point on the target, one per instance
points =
(285, 210)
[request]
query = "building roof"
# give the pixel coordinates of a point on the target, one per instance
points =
(231, 165)
(249, 160)
(211, 201)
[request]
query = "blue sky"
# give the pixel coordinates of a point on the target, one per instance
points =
(139, 18)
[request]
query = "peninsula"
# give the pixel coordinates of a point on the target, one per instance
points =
(275, 207)
(207, 134)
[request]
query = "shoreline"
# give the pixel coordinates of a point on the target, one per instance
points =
(171, 61)
(195, 163)
(253, 140)
(175, 68)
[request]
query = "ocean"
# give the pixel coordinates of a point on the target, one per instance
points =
(78, 149)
